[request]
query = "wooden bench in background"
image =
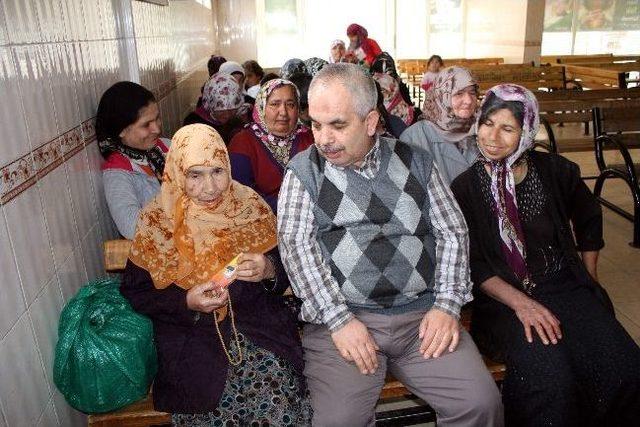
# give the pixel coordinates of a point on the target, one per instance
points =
(604, 75)
(618, 128)
(564, 59)
(575, 106)
(142, 414)
(533, 78)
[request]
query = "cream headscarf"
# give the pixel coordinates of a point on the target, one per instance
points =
(178, 241)
(437, 105)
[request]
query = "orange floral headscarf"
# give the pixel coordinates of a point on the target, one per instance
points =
(181, 242)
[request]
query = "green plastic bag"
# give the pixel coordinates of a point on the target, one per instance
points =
(105, 357)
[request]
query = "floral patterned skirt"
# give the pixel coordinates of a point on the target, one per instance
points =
(264, 390)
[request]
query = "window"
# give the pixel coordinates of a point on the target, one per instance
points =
(583, 27)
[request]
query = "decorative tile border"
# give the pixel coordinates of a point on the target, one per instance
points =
(24, 172)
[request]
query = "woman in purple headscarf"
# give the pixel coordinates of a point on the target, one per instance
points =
(538, 305)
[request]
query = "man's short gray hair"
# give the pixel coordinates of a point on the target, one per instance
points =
(359, 84)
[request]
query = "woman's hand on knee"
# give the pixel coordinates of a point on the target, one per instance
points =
(254, 267)
(206, 297)
(534, 315)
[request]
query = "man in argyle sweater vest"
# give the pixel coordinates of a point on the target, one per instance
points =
(377, 250)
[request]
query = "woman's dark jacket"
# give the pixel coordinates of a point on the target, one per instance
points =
(192, 366)
(571, 204)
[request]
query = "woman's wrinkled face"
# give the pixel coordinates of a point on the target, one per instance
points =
(204, 185)
(337, 52)
(499, 135)
(464, 102)
(353, 38)
(281, 111)
(143, 133)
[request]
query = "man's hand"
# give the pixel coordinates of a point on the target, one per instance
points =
(355, 344)
(438, 331)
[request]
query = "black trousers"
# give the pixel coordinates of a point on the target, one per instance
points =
(590, 378)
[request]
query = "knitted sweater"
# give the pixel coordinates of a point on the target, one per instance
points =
(375, 233)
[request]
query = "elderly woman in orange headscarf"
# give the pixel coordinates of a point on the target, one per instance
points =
(202, 231)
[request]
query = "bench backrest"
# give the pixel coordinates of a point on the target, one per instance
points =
(616, 120)
(560, 59)
(532, 78)
(419, 66)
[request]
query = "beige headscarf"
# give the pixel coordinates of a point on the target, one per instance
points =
(437, 105)
(181, 242)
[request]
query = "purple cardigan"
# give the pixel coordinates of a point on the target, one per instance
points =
(192, 367)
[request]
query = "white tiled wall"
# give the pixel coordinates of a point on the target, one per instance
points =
(56, 59)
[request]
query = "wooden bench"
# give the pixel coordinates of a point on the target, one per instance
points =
(575, 106)
(598, 59)
(142, 414)
(533, 78)
(419, 66)
(564, 59)
(618, 128)
(606, 75)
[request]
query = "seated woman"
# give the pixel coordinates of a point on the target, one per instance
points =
(447, 131)
(220, 107)
(385, 64)
(128, 130)
(260, 152)
(336, 51)
(237, 71)
(361, 46)
(389, 125)
(538, 305)
(392, 98)
(293, 66)
(314, 65)
(253, 74)
(225, 355)
(434, 64)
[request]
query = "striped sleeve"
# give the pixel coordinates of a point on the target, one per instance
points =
(308, 271)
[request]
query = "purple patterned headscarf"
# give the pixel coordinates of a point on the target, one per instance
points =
(503, 187)
(279, 146)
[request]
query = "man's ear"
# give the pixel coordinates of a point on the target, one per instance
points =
(371, 121)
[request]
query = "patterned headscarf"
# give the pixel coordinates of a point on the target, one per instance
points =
(231, 67)
(384, 63)
(178, 241)
(291, 67)
(334, 43)
(314, 65)
(392, 98)
(503, 187)
(437, 105)
(279, 146)
(221, 92)
(357, 30)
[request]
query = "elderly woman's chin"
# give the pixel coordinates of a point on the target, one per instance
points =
(281, 128)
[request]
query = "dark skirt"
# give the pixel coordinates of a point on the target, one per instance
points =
(591, 377)
(263, 390)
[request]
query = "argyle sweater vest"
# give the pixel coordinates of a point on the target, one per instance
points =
(376, 233)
